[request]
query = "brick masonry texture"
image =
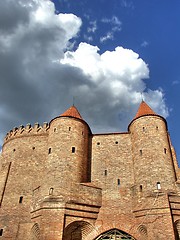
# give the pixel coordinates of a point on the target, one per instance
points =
(61, 182)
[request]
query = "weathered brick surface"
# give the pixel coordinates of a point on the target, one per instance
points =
(61, 182)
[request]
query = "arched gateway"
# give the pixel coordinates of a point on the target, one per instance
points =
(114, 234)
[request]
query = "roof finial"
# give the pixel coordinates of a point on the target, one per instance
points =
(142, 99)
(73, 100)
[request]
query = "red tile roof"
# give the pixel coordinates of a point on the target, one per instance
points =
(144, 110)
(72, 112)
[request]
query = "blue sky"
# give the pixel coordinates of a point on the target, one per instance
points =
(105, 54)
(151, 29)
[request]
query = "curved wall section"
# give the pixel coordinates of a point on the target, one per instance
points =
(152, 154)
(27, 154)
(67, 151)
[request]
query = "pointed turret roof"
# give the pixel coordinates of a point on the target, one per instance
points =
(144, 110)
(72, 112)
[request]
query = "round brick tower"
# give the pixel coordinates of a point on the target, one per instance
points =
(151, 148)
(68, 145)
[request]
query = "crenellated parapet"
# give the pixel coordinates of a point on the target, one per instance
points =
(28, 130)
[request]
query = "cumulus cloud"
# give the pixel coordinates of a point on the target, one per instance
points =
(39, 74)
(115, 83)
(32, 39)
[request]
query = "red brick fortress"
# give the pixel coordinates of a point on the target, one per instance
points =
(60, 181)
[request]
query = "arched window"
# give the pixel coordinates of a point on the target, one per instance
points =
(114, 234)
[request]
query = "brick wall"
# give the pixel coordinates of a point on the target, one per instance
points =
(45, 186)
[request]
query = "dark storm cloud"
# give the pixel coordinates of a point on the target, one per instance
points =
(39, 77)
(12, 13)
(33, 83)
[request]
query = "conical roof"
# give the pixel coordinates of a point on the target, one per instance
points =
(72, 112)
(144, 110)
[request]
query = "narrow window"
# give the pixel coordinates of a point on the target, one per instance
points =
(21, 199)
(140, 152)
(116, 142)
(140, 188)
(51, 191)
(73, 149)
(98, 143)
(82, 133)
(118, 182)
(69, 128)
(1, 232)
(49, 151)
(105, 172)
(143, 129)
(158, 185)
(165, 150)
(55, 129)
(156, 127)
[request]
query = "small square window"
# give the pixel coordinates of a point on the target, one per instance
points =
(98, 143)
(116, 142)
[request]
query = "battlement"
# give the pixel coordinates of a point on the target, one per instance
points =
(23, 131)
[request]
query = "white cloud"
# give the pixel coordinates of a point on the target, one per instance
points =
(108, 36)
(114, 21)
(127, 4)
(156, 99)
(116, 26)
(88, 38)
(175, 82)
(144, 44)
(115, 81)
(39, 77)
(93, 27)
